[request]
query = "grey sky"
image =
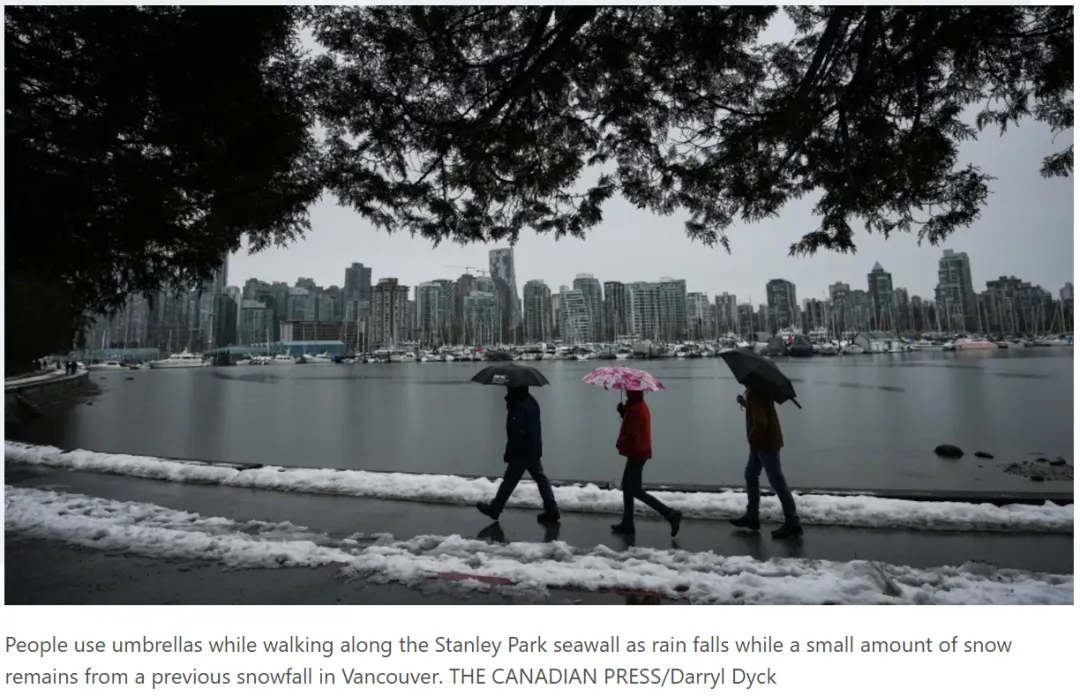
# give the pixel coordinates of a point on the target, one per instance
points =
(1026, 230)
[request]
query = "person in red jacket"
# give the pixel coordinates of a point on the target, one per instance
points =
(635, 443)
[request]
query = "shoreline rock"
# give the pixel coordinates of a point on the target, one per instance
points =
(1041, 470)
(949, 451)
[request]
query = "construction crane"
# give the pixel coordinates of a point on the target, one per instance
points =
(470, 269)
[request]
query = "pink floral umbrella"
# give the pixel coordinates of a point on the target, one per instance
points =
(623, 379)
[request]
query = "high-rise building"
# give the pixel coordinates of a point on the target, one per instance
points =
(462, 287)
(879, 285)
(537, 311)
(256, 323)
(577, 324)
(644, 310)
(593, 293)
(671, 309)
(727, 314)
(501, 266)
(389, 312)
(747, 322)
(434, 311)
(358, 283)
(783, 307)
(840, 306)
(219, 281)
(481, 317)
(558, 304)
(901, 319)
(955, 293)
(813, 314)
(616, 311)
(300, 305)
(699, 316)
(862, 310)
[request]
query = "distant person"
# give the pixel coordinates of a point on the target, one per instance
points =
(635, 443)
(524, 449)
(765, 438)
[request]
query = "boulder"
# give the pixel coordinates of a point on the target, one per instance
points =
(984, 455)
(949, 451)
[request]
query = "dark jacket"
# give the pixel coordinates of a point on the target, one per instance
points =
(635, 435)
(762, 424)
(523, 436)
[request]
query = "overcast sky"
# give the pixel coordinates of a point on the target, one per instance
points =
(1025, 230)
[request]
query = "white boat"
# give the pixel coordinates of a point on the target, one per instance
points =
(852, 349)
(179, 360)
(321, 358)
(409, 357)
(108, 365)
(973, 344)
(283, 359)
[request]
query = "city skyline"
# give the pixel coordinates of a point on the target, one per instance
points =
(1024, 212)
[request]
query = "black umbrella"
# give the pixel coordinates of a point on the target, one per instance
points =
(505, 375)
(760, 374)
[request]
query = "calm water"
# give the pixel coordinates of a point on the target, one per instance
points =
(867, 421)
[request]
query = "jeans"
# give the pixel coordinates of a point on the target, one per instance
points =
(770, 462)
(632, 488)
(514, 471)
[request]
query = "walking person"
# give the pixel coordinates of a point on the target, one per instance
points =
(524, 449)
(766, 439)
(635, 443)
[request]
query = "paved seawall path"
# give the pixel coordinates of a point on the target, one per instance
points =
(133, 559)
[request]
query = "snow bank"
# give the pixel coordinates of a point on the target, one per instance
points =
(44, 377)
(522, 567)
(851, 511)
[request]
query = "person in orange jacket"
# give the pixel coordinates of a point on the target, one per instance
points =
(635, 443)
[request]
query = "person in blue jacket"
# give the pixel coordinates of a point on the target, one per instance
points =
(524, 449)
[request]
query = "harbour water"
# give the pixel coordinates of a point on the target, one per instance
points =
(868, 422)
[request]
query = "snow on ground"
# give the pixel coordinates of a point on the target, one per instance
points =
(43, 377)
(851, 511)
(521, 567)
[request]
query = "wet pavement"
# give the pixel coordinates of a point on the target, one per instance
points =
(49, 572)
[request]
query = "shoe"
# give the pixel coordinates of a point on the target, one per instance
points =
(548, 516)
(746, 522)
(787, 531)
(623, 528)
(675, 520)
(488, 510)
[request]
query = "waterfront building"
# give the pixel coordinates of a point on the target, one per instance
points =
(593, 294)
(616, 310)
(358, 283)
(577, 325)
(481, 318)
(501, 267)
(537, 311)
(726, 310)
(955, 293)
(699, 317)
(389, 309)
(782, 304)
(880, 287)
